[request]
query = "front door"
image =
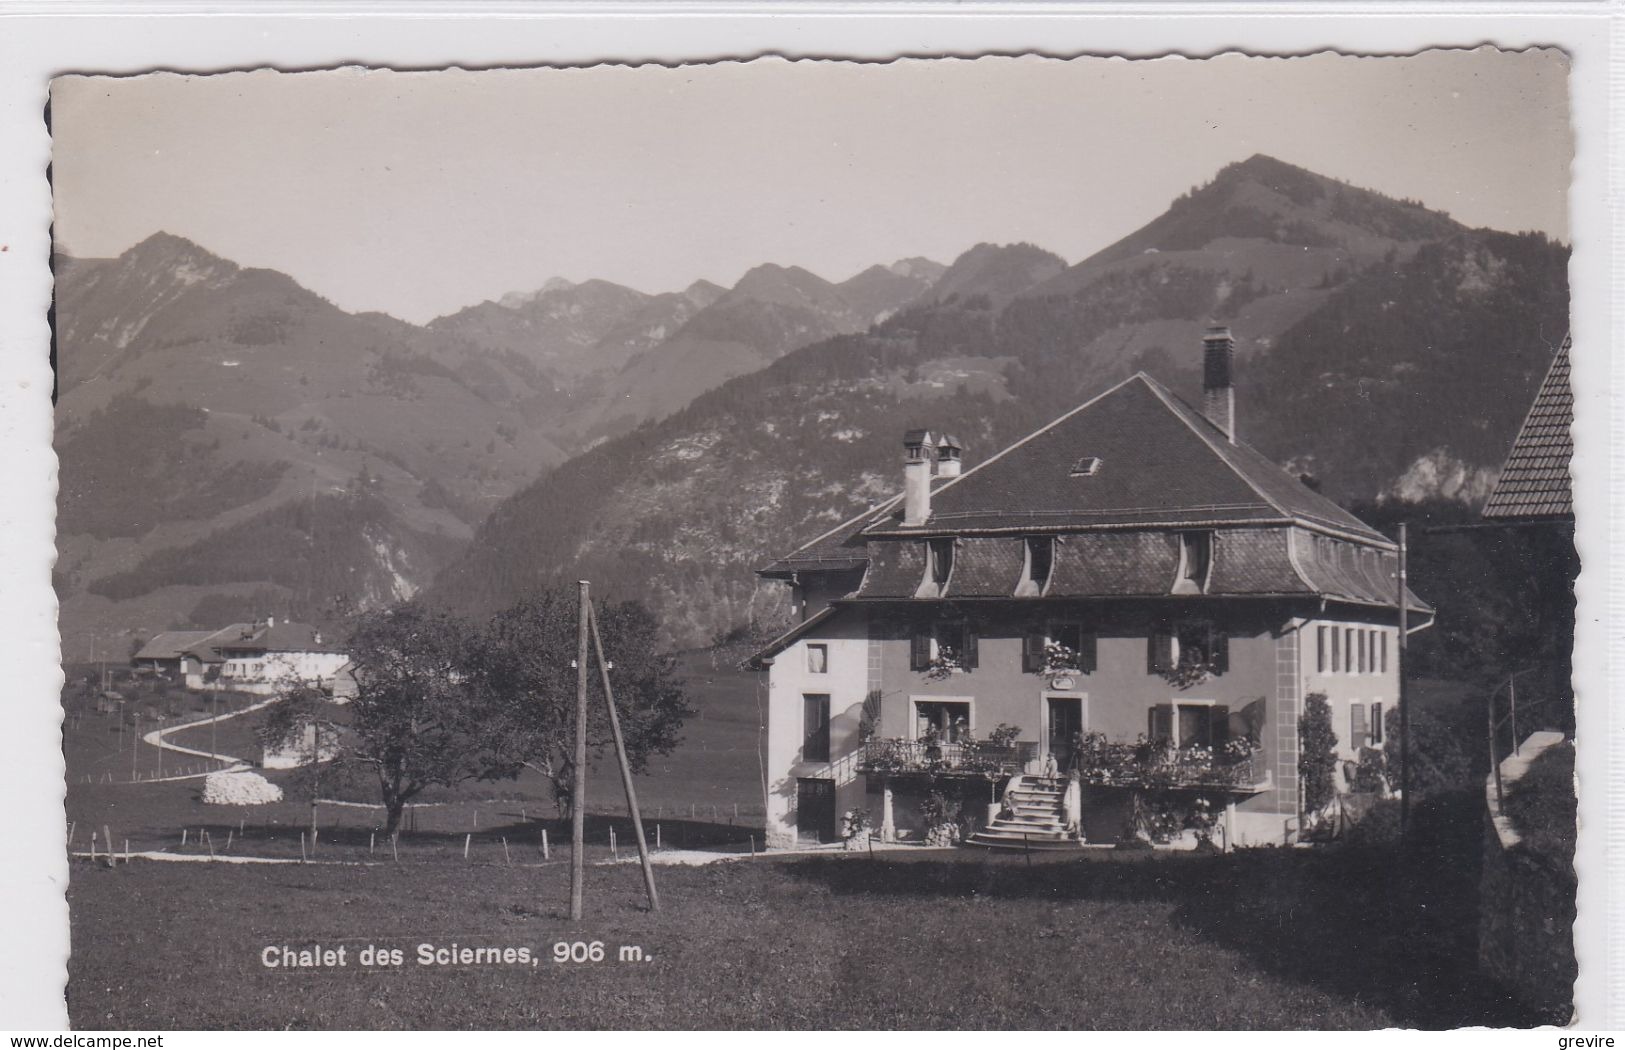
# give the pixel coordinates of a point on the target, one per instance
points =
(815, 810)
(1064, 723)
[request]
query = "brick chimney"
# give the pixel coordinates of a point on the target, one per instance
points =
(949, 451)
(1218, 395)
(919, 455)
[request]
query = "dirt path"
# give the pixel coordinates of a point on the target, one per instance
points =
(233, 763)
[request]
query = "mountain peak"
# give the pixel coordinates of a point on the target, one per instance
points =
(165, 246)
(998, 271)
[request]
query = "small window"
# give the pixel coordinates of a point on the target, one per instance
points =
(1040, 560)
(1195, 556)
(1337, 650)
(1383, 638)
(1364, 639)
(1189, 645)
(818, 659)
(815, 721)
(1190, 725)
(1359, 729)
(947, 720)
(1348, 649)
(1086, 467)
(1322, 656)
(946, 645)
(1376, 723)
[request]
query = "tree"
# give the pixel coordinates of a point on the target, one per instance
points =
(1317, 753)
(419, 715)
(525, 659)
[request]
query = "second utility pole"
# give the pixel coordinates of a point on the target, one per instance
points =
(578, 794)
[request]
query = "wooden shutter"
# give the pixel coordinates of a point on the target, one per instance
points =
(1160, 654)
(1032, 652)
(1357, 726)
(1219, 647)
(1219, 728)
(969, 658)
(919, 653)
(1376, 723)
(1086, 652)
(1160, 722)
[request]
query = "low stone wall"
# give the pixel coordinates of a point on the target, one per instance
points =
(1526, 910)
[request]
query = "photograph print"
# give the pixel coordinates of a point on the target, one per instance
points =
(1003, 543)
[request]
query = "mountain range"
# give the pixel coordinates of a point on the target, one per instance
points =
(1385, 350)
(232, 444)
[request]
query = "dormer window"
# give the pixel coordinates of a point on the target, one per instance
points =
(942, 560)
(939, 568)
(1038, 561)
(1195, 559)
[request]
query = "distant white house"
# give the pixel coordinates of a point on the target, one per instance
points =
(261, 657)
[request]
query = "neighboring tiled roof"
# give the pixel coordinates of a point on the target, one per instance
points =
(1162, 463)
(281, 637)
(840, 548)
(1535, 481)
(169, 645)
(207, 649)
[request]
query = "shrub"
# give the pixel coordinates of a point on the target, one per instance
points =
(1317, 752)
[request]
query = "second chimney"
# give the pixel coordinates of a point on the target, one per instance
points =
(1218, 395)
(949, 453)
(919, 450)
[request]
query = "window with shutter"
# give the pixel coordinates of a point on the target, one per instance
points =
(1160, 723)
(1032, 652)
(919, 655)
(1357, 726)
(1376, 723)
(1160, 651)
(1086, 652)
(1322, 658)
(970, 659)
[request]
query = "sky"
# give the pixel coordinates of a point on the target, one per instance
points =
(420, 193)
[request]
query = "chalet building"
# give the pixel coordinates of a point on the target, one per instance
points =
(165, 652)
(261, 657)
(1127, 606)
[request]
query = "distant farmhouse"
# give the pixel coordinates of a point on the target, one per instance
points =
(255, 657)
(1129, 598)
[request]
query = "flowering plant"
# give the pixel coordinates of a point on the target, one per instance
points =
(854, 822)
(1190, 672)
(1058, 658)
(944, 664)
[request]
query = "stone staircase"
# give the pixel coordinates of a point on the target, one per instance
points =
(1036, 820)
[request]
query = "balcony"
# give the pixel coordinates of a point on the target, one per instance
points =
(899, 757)
(1234, 767)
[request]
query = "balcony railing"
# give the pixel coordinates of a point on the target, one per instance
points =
(1234, 766)
(970, 759)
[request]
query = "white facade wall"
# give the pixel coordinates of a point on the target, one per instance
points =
(1327, 669)
(268, 672)
(790, 680)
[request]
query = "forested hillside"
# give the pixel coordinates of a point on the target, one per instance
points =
(1353, 313)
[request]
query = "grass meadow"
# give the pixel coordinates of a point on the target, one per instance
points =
(1360, 935)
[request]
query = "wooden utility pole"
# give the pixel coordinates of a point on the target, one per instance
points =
(626, 768)
(1404, 709)
(578, 794)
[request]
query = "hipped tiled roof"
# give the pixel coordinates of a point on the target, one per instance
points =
(1162, 463)
(1252, 562)
(1534, 484)
(169, 645)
